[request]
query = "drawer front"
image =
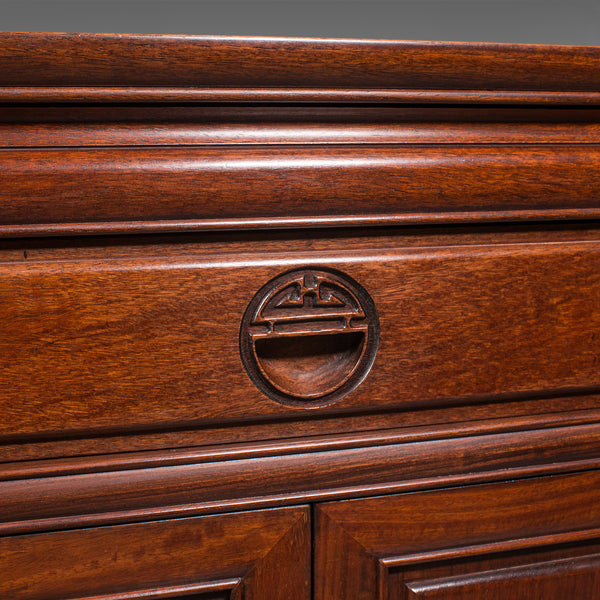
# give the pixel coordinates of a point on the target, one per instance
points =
(536, 538)
(153, 342)
(260, 554)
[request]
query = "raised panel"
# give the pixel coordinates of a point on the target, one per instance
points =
(568, 578)
(510, 539)
(214, 590)
(251, 555)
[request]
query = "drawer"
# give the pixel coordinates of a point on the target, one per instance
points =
(150, 340)
(260, 554)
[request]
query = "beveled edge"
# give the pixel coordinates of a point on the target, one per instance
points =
(132, 67)
(63, 502)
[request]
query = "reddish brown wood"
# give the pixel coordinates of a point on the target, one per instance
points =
(552, 579)
(314, 183)
(99, 359)
(502, 540)
(31, 126)
(126, 411)
(258, 187)
(31, 469)
(75, 60)
(262, 554)
(195, 133)
(309, 336)
(67, 501)
(185, 95)
(514, 413)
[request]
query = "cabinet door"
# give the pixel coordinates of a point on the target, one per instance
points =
(520, 540)
(258, 555)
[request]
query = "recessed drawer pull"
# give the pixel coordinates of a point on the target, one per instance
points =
(309, 335)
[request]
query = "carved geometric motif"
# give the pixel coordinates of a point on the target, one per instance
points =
(309, 336)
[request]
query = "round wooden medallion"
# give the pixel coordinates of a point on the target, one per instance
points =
(309, 336)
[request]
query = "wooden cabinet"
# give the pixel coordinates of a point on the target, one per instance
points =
(259, 554)
(298, 319)
(535, 538)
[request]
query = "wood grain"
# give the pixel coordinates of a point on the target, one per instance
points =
(198, 556)
(131, 125)
(376, 548)
(80, 355)
(560, 579)
(516, 414)
(250, 449)
(267, 96)
(234, 483)
(455, 182)
(76, 60)
(47, 188)
(273, 132)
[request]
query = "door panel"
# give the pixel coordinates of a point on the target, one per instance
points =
(524, 540)
(259, 555)
(568, 578)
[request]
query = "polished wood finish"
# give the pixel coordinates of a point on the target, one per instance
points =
(261, 554)
(216, 483)
(507, 540)
(348, 128)
(154, 60)
(74, 67)
(298, 319)
(103, 360)
(134, 126)
(203, 188)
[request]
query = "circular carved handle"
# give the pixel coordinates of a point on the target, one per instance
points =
(309, 335)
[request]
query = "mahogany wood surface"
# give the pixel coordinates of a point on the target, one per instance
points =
(133, 344)
(57, 501)
(258, 555)
(376, 180)
(438, 198)
(191, 61)
(243, 186)
(562, 578)
(509, 540)
(93, 126)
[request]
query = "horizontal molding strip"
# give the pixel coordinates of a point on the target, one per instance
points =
(179, 490)
(169, 133)
(157, 227)
(122, 190)
(291, 95)
(168, 593)
(462, 552)
(113, 60)
(126, 461)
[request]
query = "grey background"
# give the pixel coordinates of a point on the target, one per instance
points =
(532, 21)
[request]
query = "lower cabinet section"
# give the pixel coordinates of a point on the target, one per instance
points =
(522, 540)
(529, 539)
(253, 555)
(566, 578)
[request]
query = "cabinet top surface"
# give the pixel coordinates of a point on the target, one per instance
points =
(83, 60)
(120, 134)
